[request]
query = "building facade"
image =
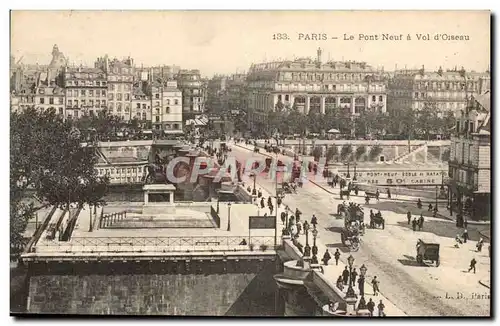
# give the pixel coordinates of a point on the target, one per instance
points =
(120, 77)
(443, 90)
(193, 92)
(171, 106)
(311, 85)
(470, 158)
(141, 105)
(86, 90)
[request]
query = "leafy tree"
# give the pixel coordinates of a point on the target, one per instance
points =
(316, 153)
(331, 153)
(345, 152)
(360, 151)
(375, 152)
(296, 122)
(446, 155)
(46, 157)
(427, 119)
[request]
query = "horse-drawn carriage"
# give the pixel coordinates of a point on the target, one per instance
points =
(351, 213)
(427, 251)
(350, 237)
(376, 221)
(289, 188)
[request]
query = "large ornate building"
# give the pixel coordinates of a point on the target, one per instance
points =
(470, 158)
(311, 85)
(443, 90)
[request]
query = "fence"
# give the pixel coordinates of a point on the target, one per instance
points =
(158, 244)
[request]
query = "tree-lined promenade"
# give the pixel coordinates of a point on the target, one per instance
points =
(47, 158)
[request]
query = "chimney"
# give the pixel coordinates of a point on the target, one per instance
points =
(318, 60)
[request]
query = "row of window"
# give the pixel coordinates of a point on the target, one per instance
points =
(112, 171)
(97, 103)
(304, 76)
(119, 97)
(85, 92)
(119, 107)
(87, 83)
(120, 87)
(458, 85)
(51, 100)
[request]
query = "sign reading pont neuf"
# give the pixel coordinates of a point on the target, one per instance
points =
(399, 177)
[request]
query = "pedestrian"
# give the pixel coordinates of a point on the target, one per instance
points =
(375, 283)
(380, 308)
(271, 208)
(299, 227)
(361, 285)
(370, 306)
(408, 216)
(388, 193)
(465, 235)
(414, 224)
(259, 193)
(354, 274)
(430, 208)
(297, 213)
(337, 256)
(269, 201)
(326, 257)
(473, 263)
(345, 276)
(421, 222)
(465, 223)
(362, 303)
(479, 245)
(340, 283)
(262, 203)
(377, 195)
(314, 220)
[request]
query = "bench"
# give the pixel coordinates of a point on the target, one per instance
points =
(206, 243)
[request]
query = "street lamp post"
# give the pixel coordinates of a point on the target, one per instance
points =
(348, 171)
(218, 199)
(254, 191)
(307, 249)
(354, 178)
(350, 291)
(436, 199)
(363, 270)
(314, 248)
(229, 216)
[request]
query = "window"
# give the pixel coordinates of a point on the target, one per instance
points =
(176, 126)
(76, 103)
(42, 100)
(167, 110)
(82, 92)
(61, 100)
(157, 119)
(127, 97)
(119, 87)
(103, 92)
(138, 105)
(374, 98)
(110, 96)
(144, 116)
(127, 107)
(380, 98)
(119, 107)
(119, 97)
(104, 102)
(91, 102)
(70, 103)
(51, 100)
(144, 106)
(97, 103)
(83, 102)
(91, 92)
(157, 103)
(157, 96)
(126, 87)
(168, 102)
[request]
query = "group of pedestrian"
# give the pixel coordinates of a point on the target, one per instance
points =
(415, 223)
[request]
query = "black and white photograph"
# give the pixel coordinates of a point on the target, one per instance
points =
(263, 163)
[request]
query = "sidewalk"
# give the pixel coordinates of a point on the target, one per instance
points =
(332, 272)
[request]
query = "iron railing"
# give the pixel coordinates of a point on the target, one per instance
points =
(160, 244)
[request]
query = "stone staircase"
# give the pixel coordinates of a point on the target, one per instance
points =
(140, 221)
(404, 157)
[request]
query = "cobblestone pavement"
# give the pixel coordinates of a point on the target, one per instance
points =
(447, 290)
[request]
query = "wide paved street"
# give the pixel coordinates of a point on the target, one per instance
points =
(390, 254)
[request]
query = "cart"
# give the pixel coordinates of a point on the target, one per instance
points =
(350, 238)
(377, 221)
(427, 252)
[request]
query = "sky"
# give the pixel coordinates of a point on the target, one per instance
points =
(230, 41)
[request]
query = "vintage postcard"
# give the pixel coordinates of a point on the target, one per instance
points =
(250, 163)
